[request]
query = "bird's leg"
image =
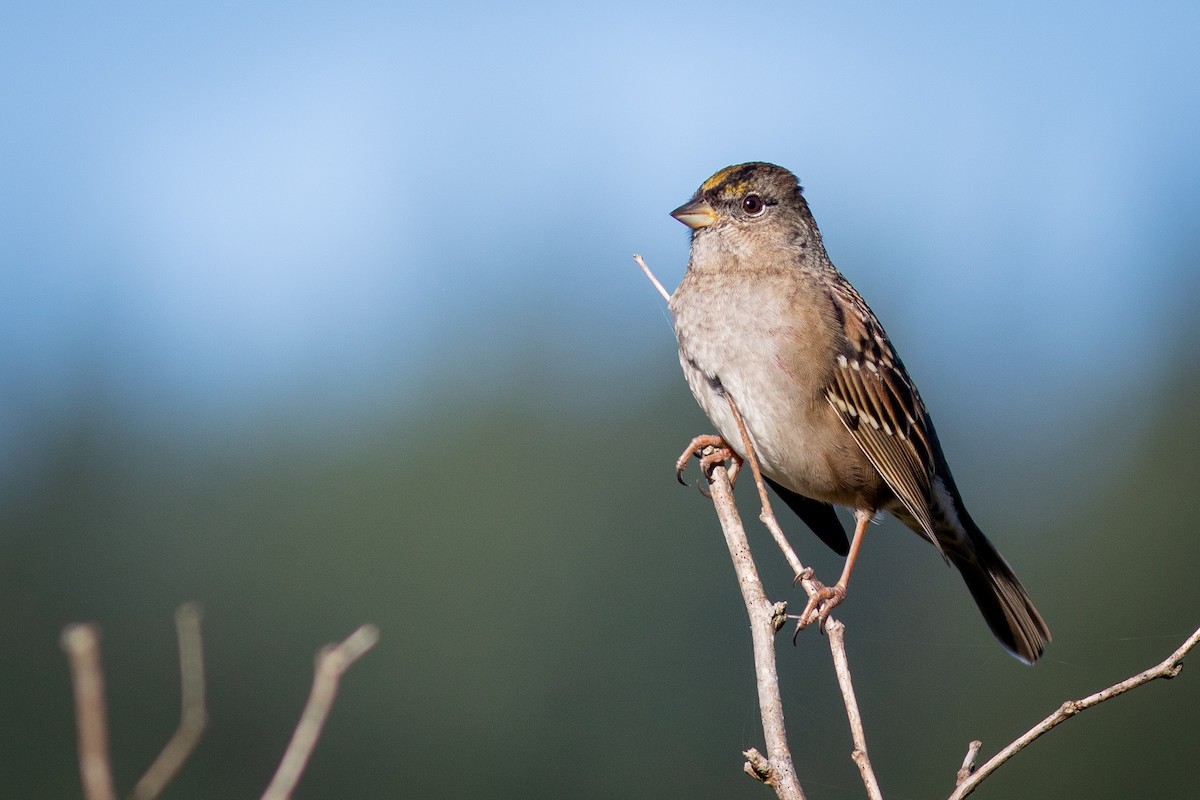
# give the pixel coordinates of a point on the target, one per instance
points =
(721, 451)
(826, 598)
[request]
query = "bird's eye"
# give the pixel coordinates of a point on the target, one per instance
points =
(753, 205)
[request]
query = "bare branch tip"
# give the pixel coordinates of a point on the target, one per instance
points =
(79, 637)
(363, 639)
(641, 262)
(339, 657)
(190, 612)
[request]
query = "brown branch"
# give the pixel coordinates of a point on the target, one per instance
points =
(776, 770)
(82, 644)
(837, 645)
(1168, 668)
(332, 663)
(192, 718)
(833, 627)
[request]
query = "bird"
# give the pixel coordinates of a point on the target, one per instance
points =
(765, 321)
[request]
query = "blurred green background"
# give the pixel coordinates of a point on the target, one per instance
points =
(325, 315)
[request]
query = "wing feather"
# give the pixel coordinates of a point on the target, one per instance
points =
(877, 402)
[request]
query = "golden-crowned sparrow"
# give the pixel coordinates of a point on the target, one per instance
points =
(764, 319)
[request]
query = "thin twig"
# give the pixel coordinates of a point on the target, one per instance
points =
(1168, 668)
(802, 574)
(332, 663)
(641, 262)
(777, 769)
(837, 645)
(192, 718)
(82, 645)
(767, 516)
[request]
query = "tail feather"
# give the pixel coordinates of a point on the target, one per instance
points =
(1001, 598)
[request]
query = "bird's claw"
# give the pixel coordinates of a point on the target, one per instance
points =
(821, 603)
(720, 453)
(801, 576)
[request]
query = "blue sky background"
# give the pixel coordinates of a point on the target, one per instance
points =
(207, 212)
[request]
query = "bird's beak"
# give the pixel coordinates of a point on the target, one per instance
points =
(695, 214)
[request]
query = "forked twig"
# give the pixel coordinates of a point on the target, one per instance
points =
(1167, 668)
(776, 770)
(82, 645)
(771, 708)
(193, 717)
(332, 663)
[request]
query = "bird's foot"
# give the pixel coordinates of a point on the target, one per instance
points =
(821, 603)
(720, 453)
